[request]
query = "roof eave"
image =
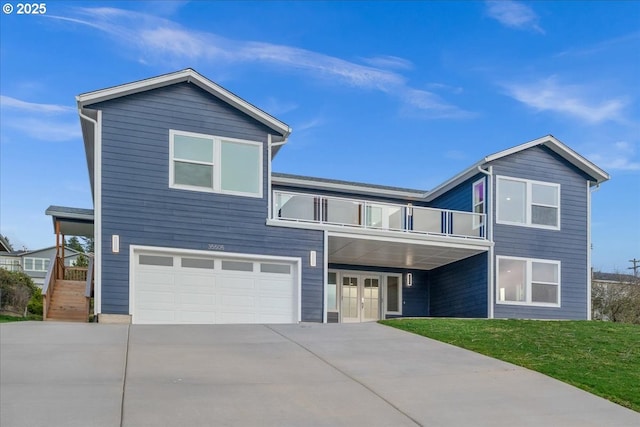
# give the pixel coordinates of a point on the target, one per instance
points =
(310, 183)
(191, 76)
(597, 174)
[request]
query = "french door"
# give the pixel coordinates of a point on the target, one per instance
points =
(360, 298)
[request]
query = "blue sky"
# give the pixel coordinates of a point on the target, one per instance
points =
(395, 93)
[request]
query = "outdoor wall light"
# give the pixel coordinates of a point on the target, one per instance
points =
(115, 243)
(312, 258)
(409, 279)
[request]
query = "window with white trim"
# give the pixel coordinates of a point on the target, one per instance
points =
(36, 264)
(528, 203)
(478, 203)
(215, 164)
(528, 281)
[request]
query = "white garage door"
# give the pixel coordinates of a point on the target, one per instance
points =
(175, 288)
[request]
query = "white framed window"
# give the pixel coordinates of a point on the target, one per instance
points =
(215, 164)
(478, 202)
(528, 203)
(393, 294)
(36, 264)
(528, 281)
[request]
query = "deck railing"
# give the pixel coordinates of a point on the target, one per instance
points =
(366, 214)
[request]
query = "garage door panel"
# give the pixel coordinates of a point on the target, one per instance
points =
(200, 289)
(236, 317)
(270, 305)
(155, 278)
(196, 316)
(234, 283)
(196, 299)
(155, 316)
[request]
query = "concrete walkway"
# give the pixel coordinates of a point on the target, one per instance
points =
(64, 374)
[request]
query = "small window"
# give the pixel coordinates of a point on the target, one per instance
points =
(332, 288)
(164, 261)
(237, 265)
(478, 203)
(528, 281)
(394, 295)
(275, 268)
(197, 263)
(210, 163)
(528, 203)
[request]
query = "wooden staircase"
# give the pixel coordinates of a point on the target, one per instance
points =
(68, 301)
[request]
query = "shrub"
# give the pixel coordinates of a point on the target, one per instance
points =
(16, 291)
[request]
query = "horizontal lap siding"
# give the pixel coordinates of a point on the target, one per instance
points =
(460, 289)
(138, 204)
(567, 245)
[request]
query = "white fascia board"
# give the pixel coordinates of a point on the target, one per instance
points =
(561, 149)
(347, 188)
(191, 76)
(452, 182)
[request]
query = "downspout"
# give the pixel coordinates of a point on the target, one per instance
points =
(590, 190)
(97, 214)
(489, 230)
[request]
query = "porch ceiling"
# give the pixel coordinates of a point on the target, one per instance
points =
(73, 221)
(422, 255)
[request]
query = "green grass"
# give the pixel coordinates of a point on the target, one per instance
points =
(6, 319)
(600, 357)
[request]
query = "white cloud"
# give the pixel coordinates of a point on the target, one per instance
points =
(617, 156)
(13, 103)
(45, 122)
(389, 62)
(573, 100)
(513, 14)
(159, 39)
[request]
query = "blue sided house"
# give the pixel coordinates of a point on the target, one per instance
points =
(191, 225)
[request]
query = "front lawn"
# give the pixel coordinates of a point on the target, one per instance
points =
(6, 318)
(602, 358)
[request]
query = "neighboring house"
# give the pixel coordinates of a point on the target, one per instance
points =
(192, 226)
(616, 297)
(34, 263)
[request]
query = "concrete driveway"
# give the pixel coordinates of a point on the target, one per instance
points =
(64, 374)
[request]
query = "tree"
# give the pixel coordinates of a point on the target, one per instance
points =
(16, 291)
(615, 297)
(88, 244)
(74, 244)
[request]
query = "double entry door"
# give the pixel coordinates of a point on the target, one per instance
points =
(360, 297)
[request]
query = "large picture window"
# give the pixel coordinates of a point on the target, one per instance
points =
(215, 164)
(528, 281)
(528, 203)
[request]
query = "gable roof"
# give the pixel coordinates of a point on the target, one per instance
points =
(596, 174)
(35, 251)
(5, 246)
(188, 75)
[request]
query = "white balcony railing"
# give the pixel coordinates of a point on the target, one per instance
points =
(344, 212)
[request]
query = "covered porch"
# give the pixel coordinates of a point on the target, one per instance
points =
(67, 290)
(377, 276)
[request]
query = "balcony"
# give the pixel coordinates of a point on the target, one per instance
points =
(363, 214)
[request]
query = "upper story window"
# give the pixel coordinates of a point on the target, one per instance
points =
(36, 264)
(215, 164)
(478, 202)
(528, 203)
